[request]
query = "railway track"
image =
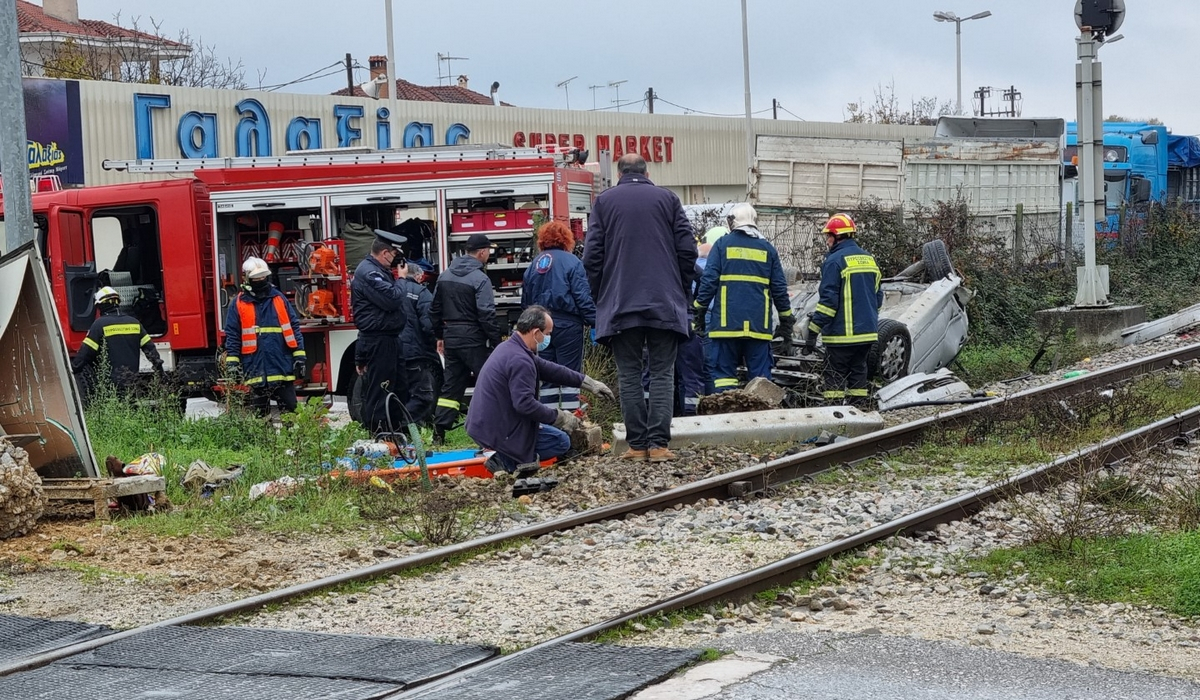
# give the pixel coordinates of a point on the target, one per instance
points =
(740, 482)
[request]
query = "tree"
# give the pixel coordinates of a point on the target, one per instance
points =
(1118, 118)
(151, 58)
(887, 110)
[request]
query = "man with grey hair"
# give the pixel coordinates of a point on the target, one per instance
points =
(640, 258)
(420, 346)
(506, 413)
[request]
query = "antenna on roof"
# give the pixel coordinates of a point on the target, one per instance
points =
(566, 90)
(447, 58)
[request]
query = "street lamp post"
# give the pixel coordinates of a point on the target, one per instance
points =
(951, 17)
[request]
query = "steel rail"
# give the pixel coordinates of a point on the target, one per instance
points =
(790, 569)
(746, 480)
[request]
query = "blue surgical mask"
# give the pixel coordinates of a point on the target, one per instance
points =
(544, 344)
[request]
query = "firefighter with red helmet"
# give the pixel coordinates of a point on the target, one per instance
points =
(264, 348)
(847, 313)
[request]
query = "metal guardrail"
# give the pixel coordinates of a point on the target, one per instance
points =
(750, 479)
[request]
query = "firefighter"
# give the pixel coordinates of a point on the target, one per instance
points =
(420, 347)
(743, 274)
(464, 321)
(380, 312)
(122, 337)
(264, 348)
(557, 282)
(847, 313)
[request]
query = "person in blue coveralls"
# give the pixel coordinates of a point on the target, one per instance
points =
(557, 282)
(745, 278)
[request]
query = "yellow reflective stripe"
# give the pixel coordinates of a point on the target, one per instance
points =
(739, 334)
(766, 309)
(786, 313)
(268, 329)
(91, 344)
(723, 302)
(851, 339)
(861, 263)
(814, 328)
(745, 278)
(145, 339)
(834, 394)
(822, 309)
(696, 304)
(448, 403)
(856, 392)
(299, 353)
(272, 378)
(725, 382)
(848, 307)
(754, 254)
(233, 358)
(122, 329)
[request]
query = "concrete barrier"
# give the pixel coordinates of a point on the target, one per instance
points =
(779, 425)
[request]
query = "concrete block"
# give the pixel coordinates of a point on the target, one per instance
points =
(587, 438)
(778, 425)
(766, 390)
(1094, 326)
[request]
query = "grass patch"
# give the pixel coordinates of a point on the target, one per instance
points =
(1146, 569)
(91, 574)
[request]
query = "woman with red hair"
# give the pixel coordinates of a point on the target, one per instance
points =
(556, 280)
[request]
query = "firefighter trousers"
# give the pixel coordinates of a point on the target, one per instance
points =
(728, 353)
(284, 394)
(385, 375)
(462, 365)
(421, 394)
(845, 375)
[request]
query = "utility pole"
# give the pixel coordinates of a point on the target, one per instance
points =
(774, 108)
(350, 74)
(393, 112)
(18, 208)
(1092, 289)
(650, 99)
(749, 121)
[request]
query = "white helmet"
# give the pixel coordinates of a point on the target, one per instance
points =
(106, 295)
(255, 269)
(742, 214)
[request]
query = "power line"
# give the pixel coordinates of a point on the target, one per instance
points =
(619, 105)
(707, 114)
(304, 78)
(780, 105)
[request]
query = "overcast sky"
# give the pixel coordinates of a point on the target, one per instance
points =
(814, 56)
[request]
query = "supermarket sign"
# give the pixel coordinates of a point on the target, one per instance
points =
(655, 149)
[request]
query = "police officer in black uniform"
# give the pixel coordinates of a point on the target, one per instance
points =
(380, 313)
(123, 337)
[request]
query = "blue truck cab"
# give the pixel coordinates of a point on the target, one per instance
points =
(1135, 167)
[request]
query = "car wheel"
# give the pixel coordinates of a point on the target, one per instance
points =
(889, 357)
(937, 260)
(354, 399)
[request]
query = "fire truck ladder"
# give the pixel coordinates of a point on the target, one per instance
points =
(334, 156)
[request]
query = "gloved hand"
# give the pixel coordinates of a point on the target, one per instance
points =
(233, 371)
(786, 327)
(158, 370)
(599, 388)
(300, 368)
(810, 343)
(566, 421)
(700, 324)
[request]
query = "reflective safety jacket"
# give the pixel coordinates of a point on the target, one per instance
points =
(262, 338)
(744, 276)
(849, 298)
(122, 337)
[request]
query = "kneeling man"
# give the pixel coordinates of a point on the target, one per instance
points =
(506, 414)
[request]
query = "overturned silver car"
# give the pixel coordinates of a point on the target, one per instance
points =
(923, 321)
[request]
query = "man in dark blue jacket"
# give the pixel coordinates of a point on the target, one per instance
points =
(744, 276)
(264, 347)
(380, 313)
(640, 256)
(420, 347)
(847, 313)
(506, 415)
(556, 281)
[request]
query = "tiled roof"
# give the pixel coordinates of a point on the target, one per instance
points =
(32, 19)
(433, 93)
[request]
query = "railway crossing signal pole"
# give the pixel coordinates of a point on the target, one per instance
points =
(1096, 19)
(18, 208)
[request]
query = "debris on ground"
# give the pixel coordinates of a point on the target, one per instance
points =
(151, 463)
(732, 401)
(282, 487)
(22, 501)
(206, 479)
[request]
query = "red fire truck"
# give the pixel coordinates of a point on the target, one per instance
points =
(174, 248)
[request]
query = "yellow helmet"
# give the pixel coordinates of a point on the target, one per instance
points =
(840, 225)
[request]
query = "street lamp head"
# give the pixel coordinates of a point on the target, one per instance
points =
(945, 16)
(981, 15)
(1111, 39)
